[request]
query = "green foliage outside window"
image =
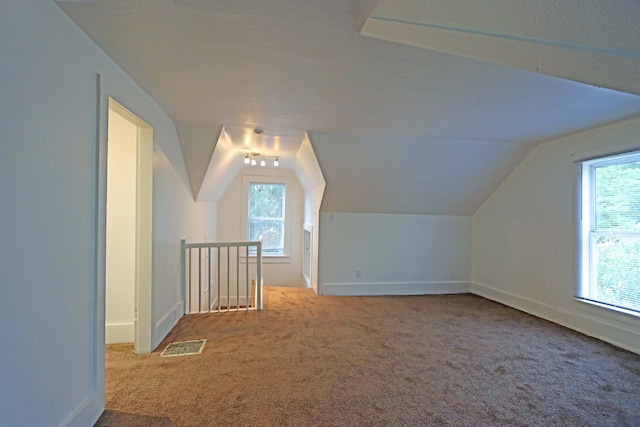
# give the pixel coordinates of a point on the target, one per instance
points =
(266, 216)
(617, 257)
(618, 197)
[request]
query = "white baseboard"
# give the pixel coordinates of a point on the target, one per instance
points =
(406, 288)
(87, 413)
(586, 320)
(119, 333)
(166, 323)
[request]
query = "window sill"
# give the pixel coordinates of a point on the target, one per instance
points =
(610, 311)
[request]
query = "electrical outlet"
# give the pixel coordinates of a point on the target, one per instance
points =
(358, 273)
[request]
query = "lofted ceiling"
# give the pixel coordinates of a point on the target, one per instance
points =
(412, 106)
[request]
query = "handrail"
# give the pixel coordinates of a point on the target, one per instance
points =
(201, 299)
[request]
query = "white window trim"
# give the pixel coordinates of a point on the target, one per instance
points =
(263, 179)
(585, 223)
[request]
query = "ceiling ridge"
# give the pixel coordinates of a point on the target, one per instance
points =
(573, 46)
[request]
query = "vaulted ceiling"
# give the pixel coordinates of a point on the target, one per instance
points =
(412, 106)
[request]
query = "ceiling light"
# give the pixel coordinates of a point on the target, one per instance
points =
(252, 157)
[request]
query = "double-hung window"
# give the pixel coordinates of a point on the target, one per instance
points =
(609, 231)
(266, 216)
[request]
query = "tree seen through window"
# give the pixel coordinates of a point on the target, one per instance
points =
(614, 236)
(267, 215)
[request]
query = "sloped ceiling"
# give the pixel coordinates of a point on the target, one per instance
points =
(425, 111)
(589, 41)
(198, 144)
(451, 174)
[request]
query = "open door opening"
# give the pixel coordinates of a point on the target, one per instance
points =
(128, 229)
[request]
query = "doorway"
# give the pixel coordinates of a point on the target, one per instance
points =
(128, 229)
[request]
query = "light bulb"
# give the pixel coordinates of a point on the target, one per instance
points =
(253, 161)
(262, 162)
(246, 159)
(276, 163)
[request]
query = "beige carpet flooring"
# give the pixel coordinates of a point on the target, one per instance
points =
(446, 360)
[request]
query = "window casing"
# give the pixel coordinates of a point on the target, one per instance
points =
(609, 232)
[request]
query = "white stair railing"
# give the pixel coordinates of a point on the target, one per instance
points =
(221, 277)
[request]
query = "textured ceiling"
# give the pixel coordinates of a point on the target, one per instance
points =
(588, 41)
(594, 25)
(290, 66)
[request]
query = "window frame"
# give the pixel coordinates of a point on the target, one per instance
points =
(247, 180)
(586, 230)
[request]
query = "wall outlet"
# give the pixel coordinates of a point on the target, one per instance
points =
(358, 273)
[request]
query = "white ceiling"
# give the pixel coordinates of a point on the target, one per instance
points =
(468, 111)
(587, 24)
(589, 41)
(283, 144)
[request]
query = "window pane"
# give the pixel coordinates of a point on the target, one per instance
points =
(617, 270)
(610, 231)
(266, 200)
(272, 233)
(618, 197)
(266, 215)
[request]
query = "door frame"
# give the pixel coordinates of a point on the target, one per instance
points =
(143, 220)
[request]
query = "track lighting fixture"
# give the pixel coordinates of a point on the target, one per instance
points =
(251, 158)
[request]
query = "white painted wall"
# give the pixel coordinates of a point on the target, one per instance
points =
(176, 216)
(223, 165)
(121, 229)
(312, 180)
(198, 144)
(275, 271)
(395, 254)
(524, 240)
(49, 215)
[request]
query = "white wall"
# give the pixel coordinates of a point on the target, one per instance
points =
(312, 180)
(275, 271)
(524, 240)
(176, 216)
(395, 254)
(121, 230)
(52, 225)
(313, 199)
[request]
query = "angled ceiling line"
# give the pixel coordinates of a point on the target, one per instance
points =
(512, 37)
(589, 68)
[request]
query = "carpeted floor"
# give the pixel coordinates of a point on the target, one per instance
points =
(447, 360)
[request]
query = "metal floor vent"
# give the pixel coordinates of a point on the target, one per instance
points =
(184, 348)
